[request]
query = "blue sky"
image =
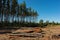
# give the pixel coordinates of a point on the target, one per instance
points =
(47, 9)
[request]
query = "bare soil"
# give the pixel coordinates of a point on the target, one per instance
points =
(52, 32)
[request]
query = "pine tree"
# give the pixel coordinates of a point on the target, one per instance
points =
(13, 9)
(0, 9)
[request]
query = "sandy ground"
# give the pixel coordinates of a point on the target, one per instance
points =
(51, 33)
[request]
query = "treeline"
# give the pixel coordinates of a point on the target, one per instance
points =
(13, 14)
(44, 24)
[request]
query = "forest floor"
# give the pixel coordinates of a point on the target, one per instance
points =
(50, 33)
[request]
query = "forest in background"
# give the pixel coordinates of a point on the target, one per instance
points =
(13, 14)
